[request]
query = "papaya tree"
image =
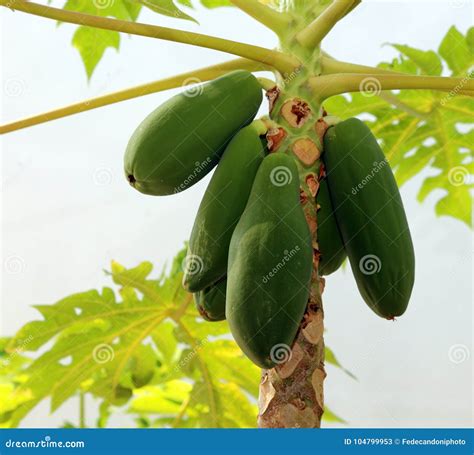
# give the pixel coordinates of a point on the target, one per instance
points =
(292, 183)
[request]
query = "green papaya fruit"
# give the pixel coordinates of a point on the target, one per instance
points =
(221, 208)
(210, 302)
(371, 217)
(330, 242)
(182, 140)
(270, 263)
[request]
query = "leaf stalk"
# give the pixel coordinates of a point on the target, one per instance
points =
(281, 62)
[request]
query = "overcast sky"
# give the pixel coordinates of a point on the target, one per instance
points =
(67, 210)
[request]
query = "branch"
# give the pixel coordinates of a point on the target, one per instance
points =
(313, 34)
(267, 84)
(267, 16)
(335, 84)
(354, 5)
(280, 61)
(203, 74)
(330, 65)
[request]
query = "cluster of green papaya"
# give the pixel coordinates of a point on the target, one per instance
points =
(251, 256)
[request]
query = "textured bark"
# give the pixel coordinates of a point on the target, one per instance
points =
(291, 394)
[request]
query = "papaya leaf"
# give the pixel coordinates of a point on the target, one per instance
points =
(428, 62)
(426, 130)
(329, 416)
(142, 346)
(104, 414)
(11, 365)
(67, 424)
(92, 43)
(163, 399)
(331, 358)
(166, 8)
(215, 3)
(96, 339)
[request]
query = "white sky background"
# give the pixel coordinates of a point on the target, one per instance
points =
(67, 210)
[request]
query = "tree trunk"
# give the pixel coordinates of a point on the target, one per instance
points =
(291, 394)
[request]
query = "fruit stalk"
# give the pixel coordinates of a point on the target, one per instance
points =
(267, 16)
(183, 80)
(335, 84)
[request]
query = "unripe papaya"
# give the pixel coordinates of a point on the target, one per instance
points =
(182, 140)
(371, 217)
(330, 242)
(221, 207)
(210, 302)
(270, 263)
